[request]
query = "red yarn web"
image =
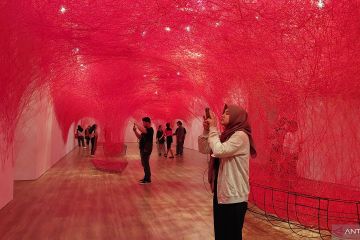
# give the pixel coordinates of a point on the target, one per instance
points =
(289, 63)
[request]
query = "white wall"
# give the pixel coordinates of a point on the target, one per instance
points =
(38, 139)
(129, 133)
(6, 173)
(193, 129)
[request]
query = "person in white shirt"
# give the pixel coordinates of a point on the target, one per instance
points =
(228, 169)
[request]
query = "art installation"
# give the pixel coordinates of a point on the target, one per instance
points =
(293, 65)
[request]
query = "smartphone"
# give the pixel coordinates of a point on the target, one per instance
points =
(207, 113)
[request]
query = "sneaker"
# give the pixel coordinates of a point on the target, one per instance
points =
(141, 180)
(165, 155)
(145, 182)
(171, 157)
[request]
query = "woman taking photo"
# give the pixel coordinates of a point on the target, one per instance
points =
(228, 169)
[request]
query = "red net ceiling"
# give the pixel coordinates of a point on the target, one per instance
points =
(294, 65)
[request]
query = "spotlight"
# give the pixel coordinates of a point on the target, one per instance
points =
(62, 9)
(320, 4)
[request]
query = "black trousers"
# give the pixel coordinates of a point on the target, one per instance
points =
(87, 140)
(81, 141)
(228, 218)
(145, 162)
(179, 148)
(93, 146)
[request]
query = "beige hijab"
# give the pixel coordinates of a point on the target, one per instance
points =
(238, 122)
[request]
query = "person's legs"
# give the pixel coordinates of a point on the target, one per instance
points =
(229, 220)
(177, 148)
(95, 147)
(237, 211)
(145, 160)
(158, 148)
(172, 154)
(217, 220)
(79, 141)
(142, 164)
(82, 142)
(92, 146)
(181, 148)
(169, 150)
(216, 212)
(162, 148)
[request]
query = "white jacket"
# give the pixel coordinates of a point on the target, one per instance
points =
(233, 177)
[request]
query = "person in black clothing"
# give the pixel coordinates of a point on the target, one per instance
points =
(145, 135)
(169, 140)
(180, 134)
(93, 139)
(160, 140)
(87, 136)
(80, 135)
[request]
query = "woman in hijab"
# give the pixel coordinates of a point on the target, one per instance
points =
(228, 169)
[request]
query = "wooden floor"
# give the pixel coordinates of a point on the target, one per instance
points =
(73, 200)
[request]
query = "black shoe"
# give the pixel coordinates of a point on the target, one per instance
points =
(141, 180)
(145, 182)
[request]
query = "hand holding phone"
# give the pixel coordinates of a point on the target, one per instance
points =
(209, 118)
(207, 113)
(206, 117)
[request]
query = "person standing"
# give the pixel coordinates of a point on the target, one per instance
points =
(87, 136)
(80, 136)
(93, 139)
(160, 140)
(180, 133)
(169, 140)
(145, 134)
(228, 169)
